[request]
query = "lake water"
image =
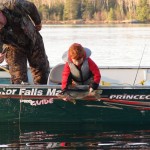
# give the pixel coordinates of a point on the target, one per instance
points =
(73, 136)
(111, 45)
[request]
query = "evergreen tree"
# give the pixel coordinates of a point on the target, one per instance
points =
(94, 9)
(89, 9)
(72, 9)
(143, 11)
(44, 12)
(111, 15)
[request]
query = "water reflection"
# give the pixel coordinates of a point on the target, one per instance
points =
(73, 136)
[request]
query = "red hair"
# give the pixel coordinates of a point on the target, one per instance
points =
(76, 51)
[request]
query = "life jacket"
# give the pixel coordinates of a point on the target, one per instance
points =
(82, 75)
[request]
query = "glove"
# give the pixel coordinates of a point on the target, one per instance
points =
(94, 86)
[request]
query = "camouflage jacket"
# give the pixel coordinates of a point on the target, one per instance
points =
(0, 46)
(22, 16)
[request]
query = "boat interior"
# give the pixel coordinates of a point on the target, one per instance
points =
(110, 76)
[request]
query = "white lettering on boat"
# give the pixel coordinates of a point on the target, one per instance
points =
(38, 102)
(53, 92)
(30, 92)
(130, 97)
(26, 101)
(8, 91)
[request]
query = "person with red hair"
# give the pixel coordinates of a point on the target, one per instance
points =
(80, 69)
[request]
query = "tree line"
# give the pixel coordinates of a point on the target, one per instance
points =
(94, 10)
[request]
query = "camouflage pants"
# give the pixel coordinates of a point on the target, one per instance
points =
(17, 59)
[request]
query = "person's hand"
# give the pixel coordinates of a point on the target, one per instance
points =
(91, 90)
(63, 95)
(38, 27)
(2, 56)
(94, 86)
(7, 47)
(67, 98)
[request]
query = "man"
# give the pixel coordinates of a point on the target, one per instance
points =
(20, 24)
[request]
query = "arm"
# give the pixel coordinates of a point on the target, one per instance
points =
(23, 5)
(1, 46)
(2, 55)
(65, 76)
(96, 73)
(31, 10)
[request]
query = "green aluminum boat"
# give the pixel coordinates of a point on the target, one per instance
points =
(44, 103)
(41, 103)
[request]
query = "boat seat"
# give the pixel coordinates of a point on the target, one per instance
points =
(55, 75)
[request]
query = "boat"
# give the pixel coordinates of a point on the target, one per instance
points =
(115, 102)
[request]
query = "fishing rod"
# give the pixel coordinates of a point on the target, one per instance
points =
(139, 64)
(3, 68)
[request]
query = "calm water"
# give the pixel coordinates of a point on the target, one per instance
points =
(111, 45)
(73, 136)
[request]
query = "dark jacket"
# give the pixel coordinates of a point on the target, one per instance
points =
(22, 16)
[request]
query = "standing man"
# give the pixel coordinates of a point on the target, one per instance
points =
(20, 24)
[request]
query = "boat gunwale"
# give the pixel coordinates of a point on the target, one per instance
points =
(77, 87)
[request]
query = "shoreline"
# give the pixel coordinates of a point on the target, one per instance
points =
(91, 22)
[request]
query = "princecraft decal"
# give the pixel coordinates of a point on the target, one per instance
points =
(129, 97)
(29, 92)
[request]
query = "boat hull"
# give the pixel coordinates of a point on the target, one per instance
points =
(61, 111)
(24, 103)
